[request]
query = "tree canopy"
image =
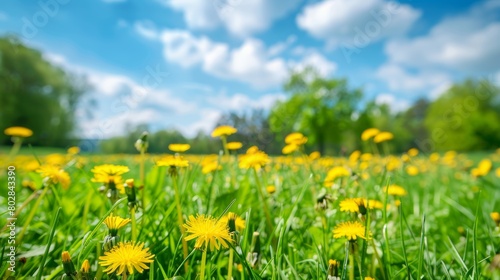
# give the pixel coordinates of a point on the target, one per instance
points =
(37, 94)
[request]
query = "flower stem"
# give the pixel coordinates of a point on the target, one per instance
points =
(31, 215)
(351, 266)
(203, 262)
(143, 184)
(180, 220)
(264, 201)
(224, 144)
(134, 227)
(124, 275)
(230, 267)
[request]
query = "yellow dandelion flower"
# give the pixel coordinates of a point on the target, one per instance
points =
(233, 146)
(238, 221)
(207, 231)
(254, 160)
(354, 156)
(179, 148)
(210, 166)
(314, 155)
(271, 189)
(349, 230)
(18, 131)
(395, 190)
(296, 138)
(369, 133)
(369, 278)
(55, 175)
(115, 222)
(65, 256)
(110, 169)
(334, 173)
(126, 258)
(495, 216)
(290, 148)
(73, 150)
(223, 131)
(173, 161)
(351, 205)
(373, 204)
(412, 170)
(483, 168)
(383, 136)
(434, 157)
(413, 152)
(252, 150)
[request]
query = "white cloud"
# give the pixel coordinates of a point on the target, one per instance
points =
(146, 29)
(467, 42)
(252, 62)
(396, 105)
(240, 17)
(356, 22)
(399, 79)
(242, 102)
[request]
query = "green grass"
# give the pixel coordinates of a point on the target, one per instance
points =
(441, 230)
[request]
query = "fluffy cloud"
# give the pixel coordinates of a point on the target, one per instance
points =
(241, 102)
(356, 22)
(252, 62)
(400, 79)
(240, 17)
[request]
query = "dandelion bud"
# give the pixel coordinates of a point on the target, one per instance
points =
(85, 271)
(110, 242)
(333, 270)
(131, 193)
(69, 268)
(142, 143)
(495, 216)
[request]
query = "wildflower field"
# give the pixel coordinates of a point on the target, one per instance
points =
(243, 214)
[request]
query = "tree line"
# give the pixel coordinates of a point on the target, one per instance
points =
(44, 97)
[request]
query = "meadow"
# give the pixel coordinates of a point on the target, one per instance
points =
(242, 214)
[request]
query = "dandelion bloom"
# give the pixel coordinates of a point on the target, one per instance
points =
(314, 155)
(233, 146)
(349, 230)
(369, 133)
(109, 170)
(334, 173)
(126, 258)
(482, 169)
(383, 136)
(173, 161)
(373, 204)
(207, 231)
(73, 150)
(254, 160)
(369, 278)
(18, 131)
(395, 190)
(413, 152)
(412, 170)
(495, 216)
(55, 175)
(223, 131)
(290, 148)
(114, 223)
(271, 189)
(238, 221)
(210, 166)
(296, 138)
(352, 205)
(179, 148)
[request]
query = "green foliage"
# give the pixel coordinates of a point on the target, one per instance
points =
(36, 94)
(466, 117)
(319, 107)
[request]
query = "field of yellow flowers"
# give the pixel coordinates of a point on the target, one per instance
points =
(241, 214)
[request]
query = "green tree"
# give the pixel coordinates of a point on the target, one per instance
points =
(36, 94)
(321, 108)
(466, 117)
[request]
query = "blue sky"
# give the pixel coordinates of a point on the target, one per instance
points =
(182, 63)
